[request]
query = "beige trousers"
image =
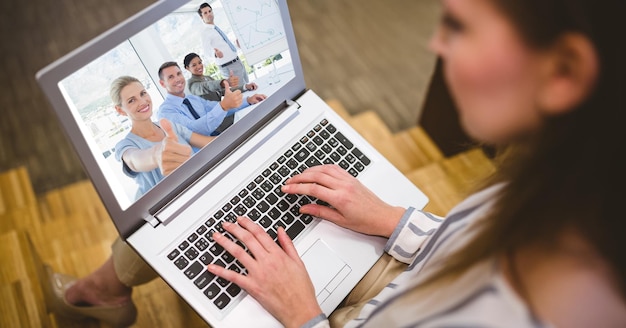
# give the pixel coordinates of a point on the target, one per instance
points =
(130, 268)
(382, 273)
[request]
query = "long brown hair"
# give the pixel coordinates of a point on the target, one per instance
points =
(572, 174)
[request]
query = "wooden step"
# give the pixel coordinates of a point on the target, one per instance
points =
(449, 181)
(54, 239)
(18, 203)
(339, 109)
(374, 130)
(418, 148)
(16, 190)
(433, 180)
(73, 217)
(469, 168)
(371, 126)
(23, 303)
(79, 198)
(20, 218)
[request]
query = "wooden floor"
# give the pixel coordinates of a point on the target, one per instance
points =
(368, 54)
(72, 232)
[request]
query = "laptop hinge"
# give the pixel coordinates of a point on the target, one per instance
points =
(292, 102)
(152, 220)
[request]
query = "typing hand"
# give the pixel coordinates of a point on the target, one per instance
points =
(232, 99)
(256, 98)
(232, 78)
(218, 53)
(353, 206)
(276, 276)
(171, 154)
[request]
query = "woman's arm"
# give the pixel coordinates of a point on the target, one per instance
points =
(141, 160)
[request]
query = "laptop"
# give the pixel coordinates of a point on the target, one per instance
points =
(239, 173)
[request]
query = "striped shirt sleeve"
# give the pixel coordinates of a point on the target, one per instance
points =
(318, 322)
(412, 231)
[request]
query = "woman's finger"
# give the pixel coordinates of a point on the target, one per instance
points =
(287, 244)
(244, 236)
(230, 275)
(259, 234)
(309, 189)
(235, 250)
(325, 175)
(321, 211)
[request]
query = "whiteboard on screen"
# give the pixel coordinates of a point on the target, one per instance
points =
(258, 28)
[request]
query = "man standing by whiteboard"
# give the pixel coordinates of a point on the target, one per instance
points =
(216, 45)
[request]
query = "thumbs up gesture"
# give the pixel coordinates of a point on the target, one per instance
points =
(171, 154)
(232, 99)
(233, 80)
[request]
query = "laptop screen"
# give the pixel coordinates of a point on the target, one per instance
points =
(78, 86)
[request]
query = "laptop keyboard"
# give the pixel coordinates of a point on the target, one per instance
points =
(262, 201)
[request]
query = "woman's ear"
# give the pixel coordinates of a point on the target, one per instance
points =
(120, 111)
(570, 74)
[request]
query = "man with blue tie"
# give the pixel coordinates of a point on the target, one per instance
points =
(197, 114)
(217, 45)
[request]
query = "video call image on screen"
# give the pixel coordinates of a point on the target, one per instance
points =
(254, 26)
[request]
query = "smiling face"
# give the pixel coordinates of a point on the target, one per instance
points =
(196, 67)
(494, 77)
(136, 102)
(173, 81)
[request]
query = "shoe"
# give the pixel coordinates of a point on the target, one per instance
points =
(56, 284)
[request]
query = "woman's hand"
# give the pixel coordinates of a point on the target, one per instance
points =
(353, 206)
(276, 277)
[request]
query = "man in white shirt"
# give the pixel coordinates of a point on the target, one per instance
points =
(216, 45)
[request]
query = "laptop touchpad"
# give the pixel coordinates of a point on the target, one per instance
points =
(325, 268)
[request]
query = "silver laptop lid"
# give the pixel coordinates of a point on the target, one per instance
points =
(77, 86)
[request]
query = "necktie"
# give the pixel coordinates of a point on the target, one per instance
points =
(230, 44)
(193, 112)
